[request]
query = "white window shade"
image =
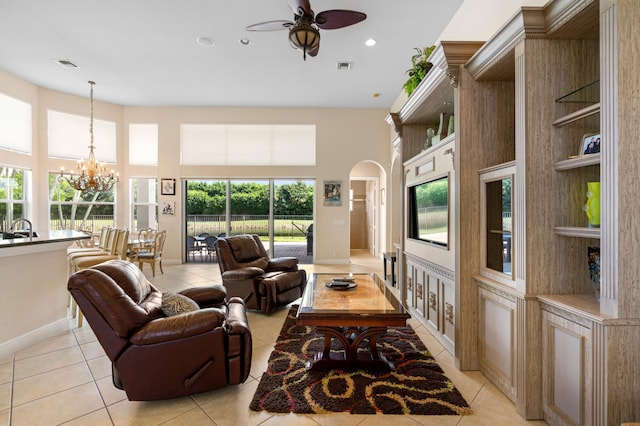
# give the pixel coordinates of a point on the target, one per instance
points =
(143, 144)
(69, 138)
(248, 145)
(15, 125)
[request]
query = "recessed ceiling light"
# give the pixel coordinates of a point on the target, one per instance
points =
(370, 42)
(204, 41)
(245, 41)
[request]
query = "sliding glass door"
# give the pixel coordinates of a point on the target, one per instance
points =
(279, 211)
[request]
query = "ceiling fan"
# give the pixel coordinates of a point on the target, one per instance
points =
(303, 32)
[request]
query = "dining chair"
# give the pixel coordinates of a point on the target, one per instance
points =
(210, 242)
(106, 246)
(119, 251)
(145, 240)
(155, 255)
(193, 247)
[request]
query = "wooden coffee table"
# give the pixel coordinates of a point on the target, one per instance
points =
(351, 316)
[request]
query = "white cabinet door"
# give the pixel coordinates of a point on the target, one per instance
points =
(566, 361)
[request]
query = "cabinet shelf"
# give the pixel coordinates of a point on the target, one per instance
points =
(577, 231)
(589, 94)
(583, 305)
(577, 115)
(577, 162)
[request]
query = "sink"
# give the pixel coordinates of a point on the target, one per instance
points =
(18, 234)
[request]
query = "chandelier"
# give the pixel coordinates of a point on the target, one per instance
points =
(92, 176)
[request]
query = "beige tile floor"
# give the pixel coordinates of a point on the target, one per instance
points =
(66, 379)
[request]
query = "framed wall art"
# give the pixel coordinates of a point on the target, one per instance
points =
(168, 186)
(168, 208)
(332, 193)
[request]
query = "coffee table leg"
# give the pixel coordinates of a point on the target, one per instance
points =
(351, 338)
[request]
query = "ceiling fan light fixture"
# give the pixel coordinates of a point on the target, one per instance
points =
(304, 36)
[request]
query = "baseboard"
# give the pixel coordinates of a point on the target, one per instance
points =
(332, 262)
(8, 348)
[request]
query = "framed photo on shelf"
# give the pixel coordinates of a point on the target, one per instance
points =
(167, 186)
(332, 195)
(590, 144)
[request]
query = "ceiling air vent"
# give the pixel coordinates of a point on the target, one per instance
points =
(344, 66)
(66, 63)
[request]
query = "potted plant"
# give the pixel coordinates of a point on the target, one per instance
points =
(419, 70)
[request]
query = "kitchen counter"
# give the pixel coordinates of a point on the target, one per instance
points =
(33, 277)
(46, 237)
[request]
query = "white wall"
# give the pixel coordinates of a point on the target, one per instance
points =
(478, 20)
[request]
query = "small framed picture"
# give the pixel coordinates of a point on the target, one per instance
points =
(168, 186)
(168, 208)
(332, 193)
(590, 144)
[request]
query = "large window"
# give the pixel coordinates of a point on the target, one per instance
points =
(68, 136)
(71, 209)
(13, 185)
(144, 203)
(248, 144)
(15, 125)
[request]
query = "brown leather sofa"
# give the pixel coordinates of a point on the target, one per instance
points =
(156, 356)
(247, 272)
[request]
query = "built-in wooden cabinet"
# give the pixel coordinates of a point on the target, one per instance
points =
(427, 279)
(568, 364)
(540, 334)
(431, 297)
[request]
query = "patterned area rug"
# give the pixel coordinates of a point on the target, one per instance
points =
(417, 386)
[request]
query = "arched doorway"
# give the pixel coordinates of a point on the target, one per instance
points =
(367, 216)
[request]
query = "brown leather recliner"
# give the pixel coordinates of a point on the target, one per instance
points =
(247, 272)
(158, 357)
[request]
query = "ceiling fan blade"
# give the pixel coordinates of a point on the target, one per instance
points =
(297, 5)
(338, 18)
(270, 26)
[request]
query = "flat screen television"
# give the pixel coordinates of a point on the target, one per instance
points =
(428, 211)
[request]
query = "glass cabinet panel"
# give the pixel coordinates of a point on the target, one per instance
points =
(497, 222)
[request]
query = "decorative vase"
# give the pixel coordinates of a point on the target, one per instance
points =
(594, 269)
(443, 127)
(452, 126)
(592, 208)
(429, 142)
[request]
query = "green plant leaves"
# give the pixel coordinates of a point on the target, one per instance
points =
(420, 69)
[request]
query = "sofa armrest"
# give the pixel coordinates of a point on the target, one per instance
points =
(239, 335)
(237, 322)
(207, 296)
(285, 264)
(242, 274)
(179, 326)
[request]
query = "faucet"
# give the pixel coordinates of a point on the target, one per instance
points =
(30, 228)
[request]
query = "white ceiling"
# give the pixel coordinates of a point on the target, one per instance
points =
(144, 52)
